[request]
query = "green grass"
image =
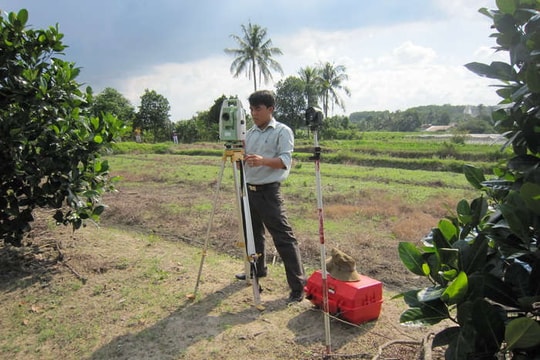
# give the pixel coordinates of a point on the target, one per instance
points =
(338, 181)
(383, 150)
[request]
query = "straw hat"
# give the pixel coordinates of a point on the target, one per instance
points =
(341, 266)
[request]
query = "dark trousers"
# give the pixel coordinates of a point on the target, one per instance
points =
(267, 210)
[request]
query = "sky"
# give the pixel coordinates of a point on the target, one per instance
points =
(397, 53)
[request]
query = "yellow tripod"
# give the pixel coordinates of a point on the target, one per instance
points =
(235, 154)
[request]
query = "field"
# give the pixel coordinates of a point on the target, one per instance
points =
(119, 291)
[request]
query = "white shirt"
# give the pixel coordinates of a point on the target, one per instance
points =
(276, 140)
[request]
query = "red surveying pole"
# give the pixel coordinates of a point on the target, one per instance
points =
(314, 119)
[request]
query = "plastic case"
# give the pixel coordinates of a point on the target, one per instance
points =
(355, 301)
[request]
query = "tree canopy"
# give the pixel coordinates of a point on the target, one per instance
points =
(290, 102)
(254, 54)
(111, 101)
(153, 115)
(331, 79)
(50, 143)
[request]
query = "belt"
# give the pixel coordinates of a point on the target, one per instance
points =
(263, 186)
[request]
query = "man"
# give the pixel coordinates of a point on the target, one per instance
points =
(268, 149)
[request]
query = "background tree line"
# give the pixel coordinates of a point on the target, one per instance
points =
(153, 117)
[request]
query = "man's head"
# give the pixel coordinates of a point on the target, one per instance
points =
(261, 105)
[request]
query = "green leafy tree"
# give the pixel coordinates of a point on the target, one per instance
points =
(112, 102)
(475, 126)
(50, 144)
(407, 121)
(291, 104)
(371, 120)
(207, 122)
(212, 119)
(205, 132)
(339, 127)
(255, 53)
(310, 76)
(442, 119)
(483, 261)
(153, 115)
(187, 131)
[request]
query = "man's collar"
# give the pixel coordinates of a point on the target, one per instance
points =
(272, 123)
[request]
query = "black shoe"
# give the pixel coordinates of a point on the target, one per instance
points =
(242, 276)
(295, 297)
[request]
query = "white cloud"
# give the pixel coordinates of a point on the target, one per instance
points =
(189, 87)
(409, 53)
(464, 8)
(407, 86)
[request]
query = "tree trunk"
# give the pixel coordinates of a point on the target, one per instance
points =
(254, 70)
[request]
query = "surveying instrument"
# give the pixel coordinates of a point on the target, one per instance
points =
(232, 131)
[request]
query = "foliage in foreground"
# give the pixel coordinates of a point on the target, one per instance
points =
(49, 144)
(483, 262)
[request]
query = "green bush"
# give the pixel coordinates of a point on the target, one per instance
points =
(49, 144)
(483, 261)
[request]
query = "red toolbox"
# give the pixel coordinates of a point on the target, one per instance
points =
(353, 301)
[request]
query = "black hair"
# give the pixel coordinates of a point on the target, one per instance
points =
(262, 97)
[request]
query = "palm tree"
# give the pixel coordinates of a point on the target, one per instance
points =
(254, 54)
(311, 79)
(331, 79)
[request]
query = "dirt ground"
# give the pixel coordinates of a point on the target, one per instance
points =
(221, 323)
(298, 331)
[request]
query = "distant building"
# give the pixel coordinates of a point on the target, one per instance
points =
(436, 128)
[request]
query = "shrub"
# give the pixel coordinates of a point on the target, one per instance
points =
(49, 145)
(483, 261)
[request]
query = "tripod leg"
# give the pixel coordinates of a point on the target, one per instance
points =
(251, 253)
(210, 223)
(241, 222)
(247, 232)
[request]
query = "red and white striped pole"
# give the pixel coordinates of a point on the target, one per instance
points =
(314, 119)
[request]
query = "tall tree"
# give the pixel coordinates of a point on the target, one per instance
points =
(407, 121)
(111, 101)
(311, 77)
(331, 82)
(50, 144)
(209, 120)
(154, 115)
(291, 104)
(187, 131)
(254, 54)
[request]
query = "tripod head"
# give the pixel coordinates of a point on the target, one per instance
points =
(314, 118)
